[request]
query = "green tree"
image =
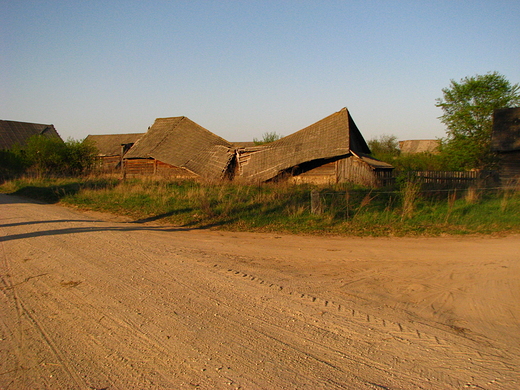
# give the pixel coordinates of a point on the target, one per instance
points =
(53, 156)
(79, 156)
(45, 155)
(468, 108)
(267, 138)
(385, 147)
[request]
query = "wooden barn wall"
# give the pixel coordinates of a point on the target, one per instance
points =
(354, 170)
(150, 167)
(108, 164)
(324, 174)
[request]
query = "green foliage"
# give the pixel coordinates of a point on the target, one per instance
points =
(12, 162)
(468, 108)
(421, 162)
(48, 156)
(385, 147)
(45, 155)
(79, 156)
(267, 138)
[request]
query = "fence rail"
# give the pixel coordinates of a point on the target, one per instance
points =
(444, 179)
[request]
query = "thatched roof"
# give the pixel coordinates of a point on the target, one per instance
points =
(506, 130)
(333, 136)
(180, 142)
(17, 133)
(110, 144)
(419, 146)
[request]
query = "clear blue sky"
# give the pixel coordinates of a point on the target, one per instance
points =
(243, 68)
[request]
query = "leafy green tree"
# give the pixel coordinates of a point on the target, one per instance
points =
(45, 155)
(385, 147)
(79, 156)
(468, 108)
(53, 156)
(267, 138)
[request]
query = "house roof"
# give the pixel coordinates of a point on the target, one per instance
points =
(183, 143)
(17, 133)
(418, 146)
(506, 130)
(110, 144)
(335, 135)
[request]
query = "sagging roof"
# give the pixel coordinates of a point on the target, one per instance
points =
(506, 130)
(17, 133)
(419, 146)
(374, 163)
(110, 144)
(335, 135)
(183, 143)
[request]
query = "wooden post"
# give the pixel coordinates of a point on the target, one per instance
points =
(122, 163)
(315, 202)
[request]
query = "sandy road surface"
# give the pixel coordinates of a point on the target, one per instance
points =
(91, 304)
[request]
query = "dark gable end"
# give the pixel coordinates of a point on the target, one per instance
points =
(17, 133)
(505, 141)
(506, 130)
(180, 142)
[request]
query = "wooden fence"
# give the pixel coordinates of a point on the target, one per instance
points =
(445, 179)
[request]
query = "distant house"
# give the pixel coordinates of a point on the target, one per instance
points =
(505, 141)
(331, 150)
(178, 147)
(111, 148)
(419, 146)
(17, 133)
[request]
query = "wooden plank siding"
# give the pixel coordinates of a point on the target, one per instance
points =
(151, 167)
(108, 164)
(324, 174)
(356, 171)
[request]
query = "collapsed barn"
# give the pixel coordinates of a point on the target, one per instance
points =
(111, 149)
(178, 147)
(331, 150)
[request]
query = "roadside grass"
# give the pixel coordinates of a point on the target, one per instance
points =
(344, 210)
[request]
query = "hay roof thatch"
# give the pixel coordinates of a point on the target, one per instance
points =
(506, 130)
(17, 133)
(333, 136)
(110, 144)
(183, 143)
(419, 146)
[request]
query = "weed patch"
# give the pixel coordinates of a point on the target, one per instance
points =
(286, 208)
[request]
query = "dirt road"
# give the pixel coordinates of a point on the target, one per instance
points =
(87, 303)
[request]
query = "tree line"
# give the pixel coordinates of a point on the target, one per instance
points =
(48, 156)
(468, 107)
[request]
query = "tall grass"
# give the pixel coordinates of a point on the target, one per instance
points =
(344, 209)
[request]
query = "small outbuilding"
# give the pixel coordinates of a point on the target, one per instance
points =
(415, 146)
(505, 141)
(178, 147)
(331, 150)
(111, 148)
(14, 133)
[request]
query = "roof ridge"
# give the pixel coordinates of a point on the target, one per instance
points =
(168, 131)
